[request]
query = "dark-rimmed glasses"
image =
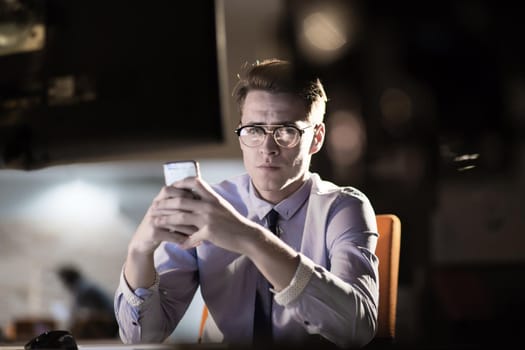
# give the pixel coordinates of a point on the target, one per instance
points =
(286, 136)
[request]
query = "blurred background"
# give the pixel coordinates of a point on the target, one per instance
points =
(426, 116)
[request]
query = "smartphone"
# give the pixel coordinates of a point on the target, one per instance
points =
(180, 169)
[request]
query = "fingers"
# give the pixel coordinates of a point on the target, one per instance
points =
(194, 219)
(190, 242)
(174, 220)
(179, 197)
(164, 206)
(176, 237)
(171, 197)
(174, 192)
(163, 229)
(198, 187)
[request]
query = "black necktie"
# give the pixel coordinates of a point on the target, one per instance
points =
(262, 325)
(271, 219)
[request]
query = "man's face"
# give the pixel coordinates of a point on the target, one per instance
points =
(277, 172)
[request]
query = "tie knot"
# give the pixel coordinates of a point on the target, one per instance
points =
(271, 220)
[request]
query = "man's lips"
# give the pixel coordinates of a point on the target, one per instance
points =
(268, 167)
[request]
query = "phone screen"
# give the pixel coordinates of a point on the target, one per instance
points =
(178, 170)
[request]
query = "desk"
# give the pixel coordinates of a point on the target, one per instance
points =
(107, 347)
(89, 345)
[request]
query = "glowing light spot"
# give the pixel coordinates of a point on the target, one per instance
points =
(323, 32)
(326, 30)
(77, 202)
(465, 157)
(346, 138)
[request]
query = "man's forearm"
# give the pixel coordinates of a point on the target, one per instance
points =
(139, 270)
(274, 258)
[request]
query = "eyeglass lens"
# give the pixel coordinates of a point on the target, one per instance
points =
(284, 136)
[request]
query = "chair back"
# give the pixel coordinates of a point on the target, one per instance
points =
(388, 251)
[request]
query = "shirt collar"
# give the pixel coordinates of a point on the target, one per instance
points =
(286, 208)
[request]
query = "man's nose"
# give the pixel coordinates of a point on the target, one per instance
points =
(269, 145)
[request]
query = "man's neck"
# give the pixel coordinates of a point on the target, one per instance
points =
(276, 197)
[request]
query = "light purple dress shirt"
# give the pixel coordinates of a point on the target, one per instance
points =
(334, 292)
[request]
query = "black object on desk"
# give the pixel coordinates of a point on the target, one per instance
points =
(57, 339)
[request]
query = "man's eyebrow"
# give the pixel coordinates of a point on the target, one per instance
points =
(286, 123)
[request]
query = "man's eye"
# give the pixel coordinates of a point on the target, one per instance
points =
(287, 131)
(256, 131)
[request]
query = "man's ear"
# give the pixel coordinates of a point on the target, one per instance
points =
(318, 139)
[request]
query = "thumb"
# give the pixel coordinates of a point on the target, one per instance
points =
(199, 187)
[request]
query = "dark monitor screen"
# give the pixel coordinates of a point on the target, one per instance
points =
(107, 77)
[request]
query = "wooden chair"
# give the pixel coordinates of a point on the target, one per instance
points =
(388, 251)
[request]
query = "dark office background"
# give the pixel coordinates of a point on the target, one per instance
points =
(426, 116)
(439, 89)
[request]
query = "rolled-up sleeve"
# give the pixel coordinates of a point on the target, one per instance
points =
(129, 305)
(149, 315)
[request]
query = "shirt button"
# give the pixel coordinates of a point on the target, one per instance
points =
(306, 323)
(134, 323)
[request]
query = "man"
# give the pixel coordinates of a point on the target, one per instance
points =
(92, 313)
(319, 261)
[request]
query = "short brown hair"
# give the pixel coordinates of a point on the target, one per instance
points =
(279, 76)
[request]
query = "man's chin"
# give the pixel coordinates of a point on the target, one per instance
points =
(269, 186)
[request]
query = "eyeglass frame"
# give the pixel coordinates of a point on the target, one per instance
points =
(275, 128)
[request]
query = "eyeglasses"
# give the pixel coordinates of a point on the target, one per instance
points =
(286, 136)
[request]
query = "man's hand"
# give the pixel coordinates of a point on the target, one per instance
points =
(139, 269)
(153, 229)
(201, 216)
(208, 217)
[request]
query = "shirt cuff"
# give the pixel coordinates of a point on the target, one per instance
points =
(137, 297)
(300, 280)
